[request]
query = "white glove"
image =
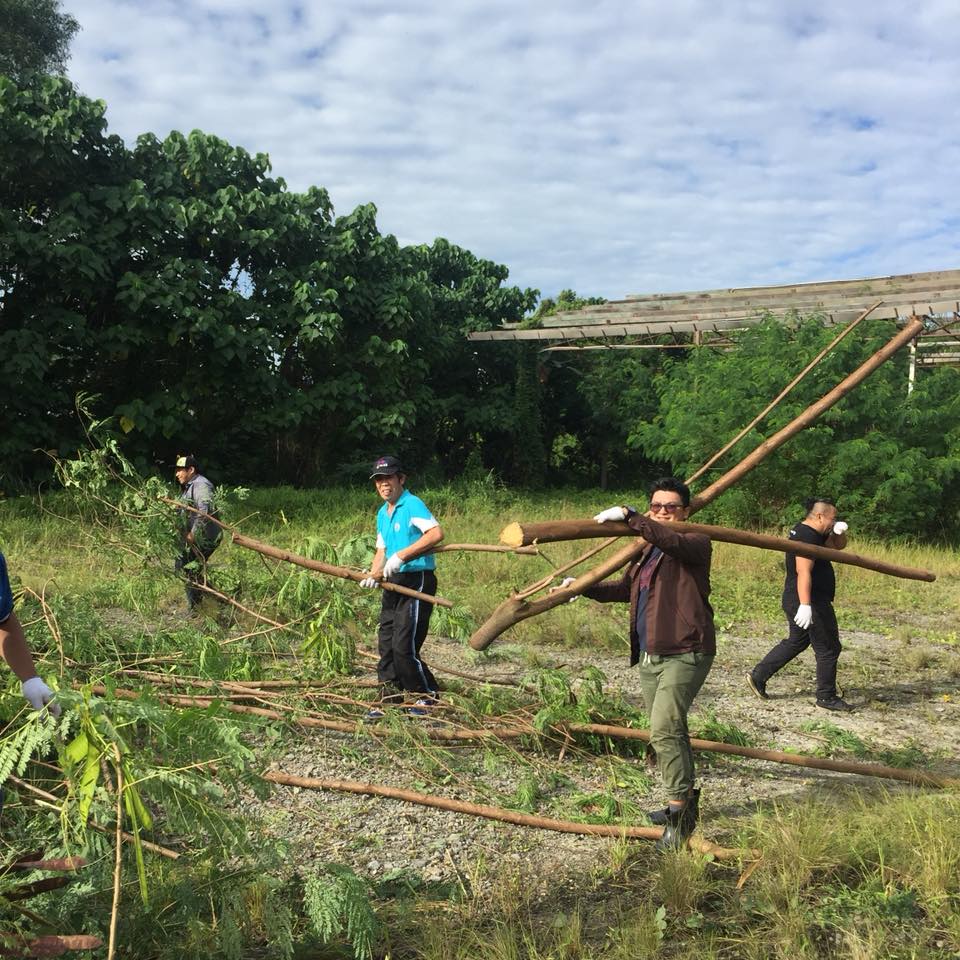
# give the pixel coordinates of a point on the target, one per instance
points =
(368, 582)
(565, 582)
(804, 616)
(612, 513)
(840, 528)
(37, 693)
(392, 566)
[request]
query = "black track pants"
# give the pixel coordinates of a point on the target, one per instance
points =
(823, 635)
(403, 628)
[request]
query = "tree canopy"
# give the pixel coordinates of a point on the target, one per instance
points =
(209, 308)
(35, 37)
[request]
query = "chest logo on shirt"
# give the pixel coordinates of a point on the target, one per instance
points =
(396, 527)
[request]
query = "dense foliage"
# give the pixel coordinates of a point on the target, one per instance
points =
(35, 37)
(208, 307)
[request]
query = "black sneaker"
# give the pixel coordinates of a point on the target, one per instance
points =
(841, 706)
(759, 687)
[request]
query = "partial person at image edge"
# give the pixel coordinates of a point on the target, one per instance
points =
(16, 653)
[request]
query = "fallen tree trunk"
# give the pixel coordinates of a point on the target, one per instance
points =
(552, 531)
(496, 813)
(513, 610)
(331, 570)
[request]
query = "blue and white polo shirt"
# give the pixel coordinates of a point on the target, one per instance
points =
(409, 522)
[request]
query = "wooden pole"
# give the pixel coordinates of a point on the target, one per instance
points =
(344, 573)
(911, 330)
(558, 530)
(840, 336)
(515, 609)
(919, 778)
(494, 813)
(517, 730)
(512, 611)
(485, 548)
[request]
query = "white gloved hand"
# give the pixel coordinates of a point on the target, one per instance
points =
(565, 582)
(392, 566)
(840, 527)
(804, 616)
(37, 693)
(612, 513)
(368, 582)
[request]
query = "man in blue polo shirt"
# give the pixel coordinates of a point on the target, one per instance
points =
(406, 533)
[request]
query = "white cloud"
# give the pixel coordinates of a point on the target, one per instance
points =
(612, 148)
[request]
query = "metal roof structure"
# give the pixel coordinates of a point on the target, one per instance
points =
(710, 317)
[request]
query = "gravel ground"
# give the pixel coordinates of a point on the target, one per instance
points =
(904, 693)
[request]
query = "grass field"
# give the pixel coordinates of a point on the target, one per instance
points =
(855, 872)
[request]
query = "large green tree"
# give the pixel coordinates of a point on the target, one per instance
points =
(35, 37)
(211, 308)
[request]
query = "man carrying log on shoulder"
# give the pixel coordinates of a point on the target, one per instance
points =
(672, 637)
(407, 532)
(808, 591)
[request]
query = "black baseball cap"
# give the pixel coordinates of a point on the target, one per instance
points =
(386, 467)
(185, 461)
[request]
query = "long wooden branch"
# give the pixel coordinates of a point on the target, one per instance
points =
(786, 390)
(515, 609)
(494, 813)
(901, 339)
(552, 531)
(331, 570)
(517, 730)
(527, 551)
(512, 611)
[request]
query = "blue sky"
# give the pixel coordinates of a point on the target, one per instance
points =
(612, 148)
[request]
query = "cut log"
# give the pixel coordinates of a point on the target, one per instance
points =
(552, 531)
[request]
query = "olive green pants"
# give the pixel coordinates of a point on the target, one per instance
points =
(669, 686)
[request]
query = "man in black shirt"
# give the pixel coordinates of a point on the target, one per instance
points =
(808, 592)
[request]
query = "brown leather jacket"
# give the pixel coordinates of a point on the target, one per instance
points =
(679, 616)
